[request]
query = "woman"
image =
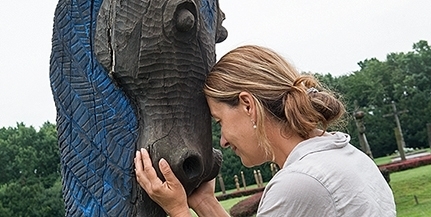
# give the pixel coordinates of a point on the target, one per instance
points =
(268, 112)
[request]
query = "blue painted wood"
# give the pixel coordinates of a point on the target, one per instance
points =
(97, 127)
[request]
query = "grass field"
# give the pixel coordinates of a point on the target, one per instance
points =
(406, 186)
(383, 160)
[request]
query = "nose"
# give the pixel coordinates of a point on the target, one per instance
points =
(188, 166)
(223, 142)
(192, 167)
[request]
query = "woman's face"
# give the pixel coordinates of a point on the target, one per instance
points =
(237, 131)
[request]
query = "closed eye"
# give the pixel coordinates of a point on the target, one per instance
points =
(217, 122)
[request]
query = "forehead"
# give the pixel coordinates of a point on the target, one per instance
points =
(217, 108)
(213, 104)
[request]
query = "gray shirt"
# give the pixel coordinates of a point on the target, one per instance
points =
(326, 176)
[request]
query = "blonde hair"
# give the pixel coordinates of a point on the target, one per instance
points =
(297, 101)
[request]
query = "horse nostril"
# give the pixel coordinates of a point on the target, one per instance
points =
(192, 167)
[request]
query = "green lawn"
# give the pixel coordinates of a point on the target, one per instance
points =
(408, 184)
(227, 204)
(383, 160)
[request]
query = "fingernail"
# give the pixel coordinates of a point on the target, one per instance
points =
(163, 162)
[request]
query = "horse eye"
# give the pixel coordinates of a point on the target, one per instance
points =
(185, 20)
(180, 21)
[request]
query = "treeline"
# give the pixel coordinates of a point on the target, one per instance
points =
(29, 176)
(403, 78)
(30, 179)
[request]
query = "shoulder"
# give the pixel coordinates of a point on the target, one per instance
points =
(296, 193)
(296, 184)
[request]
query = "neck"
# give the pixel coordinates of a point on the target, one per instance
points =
(284, 144)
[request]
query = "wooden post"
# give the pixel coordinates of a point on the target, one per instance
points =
(271, 166)
(400, 144)
(429, 134)
(259, 176)
(236, 182)
(416, 199)
(255, 177)
(397, 120)
(274, 168)
(223, 188)
(359, 115)
(243, 180)
(367, 146)
(398, 132)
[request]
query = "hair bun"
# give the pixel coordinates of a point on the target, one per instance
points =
(327, 105)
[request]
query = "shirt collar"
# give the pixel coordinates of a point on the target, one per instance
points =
(327, 141)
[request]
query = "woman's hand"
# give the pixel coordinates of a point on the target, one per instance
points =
(204, 202)
(201, 194)
(170, 195)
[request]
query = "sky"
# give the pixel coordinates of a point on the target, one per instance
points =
(319, 36)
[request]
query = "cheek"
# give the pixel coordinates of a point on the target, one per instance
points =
(234, 130)
(239, 131)
(252, 148)
(253, 157)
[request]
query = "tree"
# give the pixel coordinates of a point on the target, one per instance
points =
(30, 182)
(31, 199)
(403, 78)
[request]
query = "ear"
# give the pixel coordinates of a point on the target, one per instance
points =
(247, 104)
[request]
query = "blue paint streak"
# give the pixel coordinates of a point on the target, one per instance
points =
(208, 11)
(95, 120)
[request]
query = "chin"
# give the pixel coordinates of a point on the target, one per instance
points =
(250, 164)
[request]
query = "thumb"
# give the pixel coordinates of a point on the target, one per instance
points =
(166, 171)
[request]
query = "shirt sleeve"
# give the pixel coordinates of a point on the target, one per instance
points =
(296, 194)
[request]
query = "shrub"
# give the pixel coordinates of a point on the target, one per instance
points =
(239, 193)
(386, 174)
(406, 164)
(247, 207)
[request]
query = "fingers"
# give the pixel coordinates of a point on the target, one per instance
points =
(165, 169)
(145, 173)
(170, 194)
(147, 176)
(138, 162)
(139, 169)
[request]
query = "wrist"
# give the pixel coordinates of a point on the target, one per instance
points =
(181, 212)
(202, 201)
(209, 206)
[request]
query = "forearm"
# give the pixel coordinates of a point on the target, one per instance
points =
(184, 212)
(210, 207)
